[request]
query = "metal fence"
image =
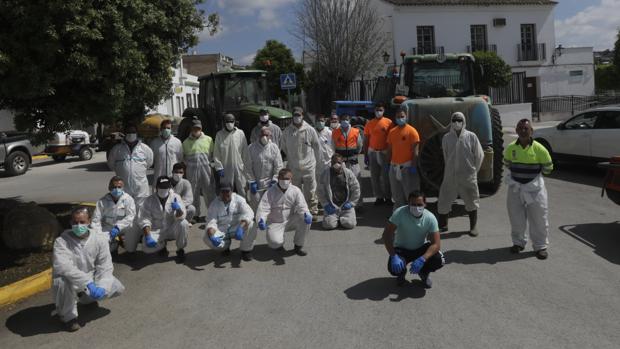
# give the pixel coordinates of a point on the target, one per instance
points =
(361, 90)
(512, 93)
(572, 104)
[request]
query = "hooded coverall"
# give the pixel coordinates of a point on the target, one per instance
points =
(276, 133)
(266, 162)
(131, 166)
(225, 218)
(167, 152)
(347, 218)
(108, 214)
(231, 150)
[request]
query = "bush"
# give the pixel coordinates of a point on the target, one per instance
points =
(490, 70)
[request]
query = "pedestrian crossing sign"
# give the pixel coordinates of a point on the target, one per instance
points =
(288, 81)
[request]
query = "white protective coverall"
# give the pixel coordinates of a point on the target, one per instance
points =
(198, 155)
(184, 189)
(527, 203)
(276, 133)
(231, 150)
(167, 152)
(327, 150)
(302, 148)
(347, 218)
(76, 263)
(108, 214)
(266, 163)
(225, 218)
(463, 157)
(131, 166)
(163, 222)
(283, 211)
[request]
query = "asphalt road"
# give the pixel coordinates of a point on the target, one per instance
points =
(340, 295)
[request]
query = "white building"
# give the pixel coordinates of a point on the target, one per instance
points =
(184, 93)
(522, 32)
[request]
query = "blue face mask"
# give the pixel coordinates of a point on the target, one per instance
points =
(345, 124)
(116, 192)
(400, 121)
(79, 229)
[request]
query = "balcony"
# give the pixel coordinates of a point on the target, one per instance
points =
(428, 50)
(531, 53)
(484, 48)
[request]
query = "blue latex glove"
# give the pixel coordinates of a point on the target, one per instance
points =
(114, 232)
(412, 169)
(417, 265)
(347, 206)
(220, 173)
(272, 183)
(397, 264)
(216, 240)
(175, 205)
(95, 291)
(253, 187)
(366, 161)
(150, 242)
(329, 208)
(239, 233)
(308, 218)
(262, 225)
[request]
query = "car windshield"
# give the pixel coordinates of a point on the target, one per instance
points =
(434, 79)
(244, 90)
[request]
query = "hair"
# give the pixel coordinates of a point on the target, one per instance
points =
(284, 171)
(266, 129)
(165, 122)
(80, 209)
(416, 194)
(345, 116)
(337, 156)
(179, 165)
(321, 116)
(113, 180)
(380, 105)
(130, 125)
(523, 121)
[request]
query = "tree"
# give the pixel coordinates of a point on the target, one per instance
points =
(64, 61)
(345, 37)
(617, 53)
(490, 70)
(606, 77)
(278, 59)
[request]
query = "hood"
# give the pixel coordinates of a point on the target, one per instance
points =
(452, 125)
(274, 113)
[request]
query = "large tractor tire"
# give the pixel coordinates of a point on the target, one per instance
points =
(490, 188)
(431, 164)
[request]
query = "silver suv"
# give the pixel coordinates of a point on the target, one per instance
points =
(15, 152)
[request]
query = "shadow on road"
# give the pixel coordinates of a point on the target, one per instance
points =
(453, 235)
(141, 260)
(490, 256)
(378, 289)
(38, 320)
(604, 238)
(579, 174)
(199, 260)
(92, 167)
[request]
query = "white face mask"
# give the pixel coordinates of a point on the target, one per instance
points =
(264, 118)
(264, 140)
(297, 120)
(337, 166)
(163, 193)
(334, 125)
(177, 177)
(131, 137)
(230, 126)
(284, 183)
(378, 114)
(416, 211)
(457, 126)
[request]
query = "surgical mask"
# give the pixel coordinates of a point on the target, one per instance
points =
(320, 125)
(457, 126)
(378, 114)
(131, 137)
(400, 121)
(345, 124)
(264, 118)
(297, 120)
(284, 183)
(79, 229)
(337, 166)
(230, 126)
(177, 177)
(163, 193)
(166, 132)
(416, 211)
(264, 140)
(334, 125)
(116, 192)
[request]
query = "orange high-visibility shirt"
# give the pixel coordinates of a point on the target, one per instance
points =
(346, 147)
(402, 139)
(377, 130)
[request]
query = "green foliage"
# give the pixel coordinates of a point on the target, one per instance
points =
(63, 61)
(606, 77)
(617, 52)
(490, 71)
(278, 59)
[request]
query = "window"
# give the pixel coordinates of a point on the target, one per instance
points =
(180, 105)
(609, 119)
(581, 121)
(576, 73)
(188, 97)
(426, 40)
(528, 35)
(195, 100)
(478, 37)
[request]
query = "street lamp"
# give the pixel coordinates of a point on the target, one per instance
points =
(386, 57)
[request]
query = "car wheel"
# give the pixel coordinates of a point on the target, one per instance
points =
(17, 163)
(86, 154)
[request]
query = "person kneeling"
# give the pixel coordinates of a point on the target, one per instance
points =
(162, 218)
(406, 238)
(229, 216)
(338, 192)
(81, 269)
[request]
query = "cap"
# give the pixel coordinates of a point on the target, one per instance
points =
(163, 182)
(225, 186)
(229, 117)
(263, 111)
(196, 123)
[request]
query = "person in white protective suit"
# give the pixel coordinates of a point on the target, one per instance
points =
(283, 208)
(81, 269)
(266, 162)
(231, 150)
(327, 145)
(463, 155)
(167, 149)
(230, 217)
(183, 187)
(130, 160)
(276, 132)
(198, 155)
(115, 213)
(302, 147)
(161, 219)
(338, 192)
(527, 161)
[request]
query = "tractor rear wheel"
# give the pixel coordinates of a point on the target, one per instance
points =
(431, 164)
(490, 188)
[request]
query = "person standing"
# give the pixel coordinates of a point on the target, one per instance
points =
(130, 160)
(183, 188)
(338, 192)
(266, 162)
(327, 145)
(462, 155)
(301, 145)
(527, 203)
(231, 150)
(168, 150)
(403, 143)
(334, 121)
(376, 155)
(264, 121)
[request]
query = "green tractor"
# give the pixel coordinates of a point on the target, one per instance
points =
(239, 92)
(433, 87)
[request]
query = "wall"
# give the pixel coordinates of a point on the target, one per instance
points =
(556, 80)
(6, 120)
(512, 113)
(182, 84)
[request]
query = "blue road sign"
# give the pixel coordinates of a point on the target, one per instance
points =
(288, 81)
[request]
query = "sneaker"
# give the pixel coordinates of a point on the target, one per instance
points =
(542, 254)
(426, 280)
(246, 255)
(181, 255)
(299, 251)
(71, 325)
(473, 232)
(516, 249)
(400, 280)
(226, 252)
(163, 252)
(379, 202)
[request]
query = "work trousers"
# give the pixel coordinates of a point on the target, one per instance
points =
(177, 231)
(535, 213)
(432, 264)
(275, 231)
(306, 181)
(379, 177)
(403, 186)
(66, 297)
(346, 218)
(466, 189)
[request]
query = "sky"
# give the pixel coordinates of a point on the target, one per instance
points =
(247, 24)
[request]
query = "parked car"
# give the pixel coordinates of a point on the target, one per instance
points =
(15, 152)
(590, 136)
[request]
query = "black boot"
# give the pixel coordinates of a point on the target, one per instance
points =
(299, 251)
(443, 222)
(473, 220)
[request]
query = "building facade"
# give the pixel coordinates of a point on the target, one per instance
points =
(203, 64)
(184, 93)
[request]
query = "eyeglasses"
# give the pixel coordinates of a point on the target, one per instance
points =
(457, 120)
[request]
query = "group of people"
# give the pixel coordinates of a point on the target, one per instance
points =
(255, 192)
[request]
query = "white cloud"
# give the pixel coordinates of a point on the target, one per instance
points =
(246, 60)
(265, 11)
(595, 26)
(206, 36)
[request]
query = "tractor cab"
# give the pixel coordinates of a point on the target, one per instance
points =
(431, 76)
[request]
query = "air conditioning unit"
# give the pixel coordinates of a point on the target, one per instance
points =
(499, 22)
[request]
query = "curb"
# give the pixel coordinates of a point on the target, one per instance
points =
(25, 288)
(39, 157)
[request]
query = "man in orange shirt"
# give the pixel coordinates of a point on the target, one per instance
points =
(376, 155)
(403, 143)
